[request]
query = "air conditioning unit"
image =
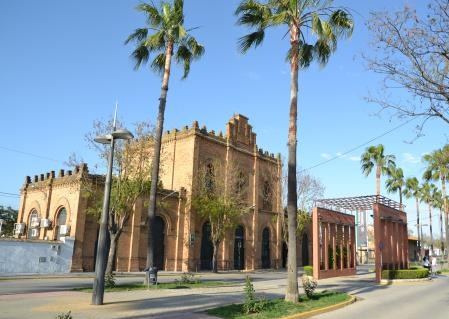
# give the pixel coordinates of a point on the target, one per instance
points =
(35, 222)
(34, 232)
(19, 228)
(45, 223)
(64, 230)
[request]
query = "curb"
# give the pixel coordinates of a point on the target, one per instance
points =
(399, 281)
(322, 310)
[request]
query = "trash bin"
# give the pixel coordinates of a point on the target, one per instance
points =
(151, 275)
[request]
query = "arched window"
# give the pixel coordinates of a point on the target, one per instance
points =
(241, 185)
(61, 224)
(210, 177)
(33, 225)
(266, 196)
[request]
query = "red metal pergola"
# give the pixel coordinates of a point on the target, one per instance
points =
(390, 233)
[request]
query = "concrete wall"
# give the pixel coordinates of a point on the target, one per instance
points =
(18, 256)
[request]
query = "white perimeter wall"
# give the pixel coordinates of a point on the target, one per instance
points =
(35, 256)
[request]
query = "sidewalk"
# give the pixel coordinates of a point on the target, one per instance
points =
(164, 303)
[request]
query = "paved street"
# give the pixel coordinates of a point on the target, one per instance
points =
(44, 298)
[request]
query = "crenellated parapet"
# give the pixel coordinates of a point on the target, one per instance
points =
(63, 177)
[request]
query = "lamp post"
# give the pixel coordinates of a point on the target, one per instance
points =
(100, 263)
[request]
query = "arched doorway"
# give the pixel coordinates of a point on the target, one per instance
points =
(239, 248)
(284, 254)
(159, 237)
(207, 249)
(266, 248)
(305, 250)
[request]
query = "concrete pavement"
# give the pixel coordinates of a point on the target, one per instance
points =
(189, 303)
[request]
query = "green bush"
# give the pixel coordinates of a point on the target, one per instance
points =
(405, 273)
(308, 270)
(64, 315)
(309, 284)
(252, 303)
(188, 278)
(109, 281)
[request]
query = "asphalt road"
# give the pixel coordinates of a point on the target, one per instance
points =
(413, 300)
(34, 284)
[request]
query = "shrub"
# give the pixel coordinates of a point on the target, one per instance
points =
(405, 273)
(309, 284)
(64, 315)
(252, 303)
(187, 278)
(109, 281)
(308, 270)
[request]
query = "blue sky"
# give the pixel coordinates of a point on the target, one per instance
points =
(63, 65)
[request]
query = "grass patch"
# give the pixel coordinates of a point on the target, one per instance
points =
(277, 308)
(140, 286)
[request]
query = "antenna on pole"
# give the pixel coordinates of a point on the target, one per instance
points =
(115, 116)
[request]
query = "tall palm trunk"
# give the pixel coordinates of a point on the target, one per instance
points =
(430, 228)
(377, 180)
(157, 154)
(418, 225)
(292, 277)
(443, 188)
(400, 198)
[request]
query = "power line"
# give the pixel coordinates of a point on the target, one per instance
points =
(9, 194)
(30, 154)
(359, 146)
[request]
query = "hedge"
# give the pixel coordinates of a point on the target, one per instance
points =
(308, 270)
(405, 273)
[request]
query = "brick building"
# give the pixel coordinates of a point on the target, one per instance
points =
(183, 236)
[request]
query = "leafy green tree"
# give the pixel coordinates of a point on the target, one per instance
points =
(412, 189)
(395, 181)
(374, 157)
(427, 192)
(314, 27)
(166, 38)
(9, 217)
(220, 198)
(438, 169)
(130, 180)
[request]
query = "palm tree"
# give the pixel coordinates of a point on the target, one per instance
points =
(302, 19)
(427, 196)
(412, 189)
(166, 38)
(374, 156)
(395, 181)
(438, 168)
(438, 203)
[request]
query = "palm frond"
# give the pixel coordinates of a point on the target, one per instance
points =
(184, 55)
(140, 55)
(342, 23)
(138, 35)
(158, 64)
(196, 48)
(153, 16)
(252, 39)
(156, 41)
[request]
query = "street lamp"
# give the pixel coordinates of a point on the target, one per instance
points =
(100, 263)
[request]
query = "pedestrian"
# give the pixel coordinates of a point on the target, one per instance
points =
(433, 265)
(425, 262)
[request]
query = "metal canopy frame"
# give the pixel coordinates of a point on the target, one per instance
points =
(360, 203)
